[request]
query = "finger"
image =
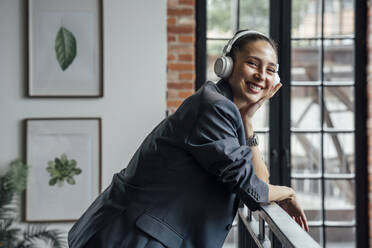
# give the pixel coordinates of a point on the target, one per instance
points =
(278, 86)
(261, 101)
(303, 216)
(304, 220)
(272, 91)
(272, 86)
(303, 225)
(306, 225)
(275, 89)
(258, 104)
(298, 221)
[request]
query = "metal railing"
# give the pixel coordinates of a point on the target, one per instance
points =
(271, 227)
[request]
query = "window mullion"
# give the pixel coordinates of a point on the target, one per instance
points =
(361, 145)
(201, 43)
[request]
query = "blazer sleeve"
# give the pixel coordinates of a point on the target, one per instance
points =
(214, 143)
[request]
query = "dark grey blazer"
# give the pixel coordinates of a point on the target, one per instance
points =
(184, 184)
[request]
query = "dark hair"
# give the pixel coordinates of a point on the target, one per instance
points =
(250, 37)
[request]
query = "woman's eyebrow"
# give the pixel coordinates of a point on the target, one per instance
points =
(257, 58)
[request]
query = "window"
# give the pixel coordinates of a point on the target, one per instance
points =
(322, 118)
(313, 133)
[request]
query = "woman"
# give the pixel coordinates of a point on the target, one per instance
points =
(185, 182)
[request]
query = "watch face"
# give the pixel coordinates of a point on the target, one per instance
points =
(253, 141)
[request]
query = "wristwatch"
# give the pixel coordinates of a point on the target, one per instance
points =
(253, 141)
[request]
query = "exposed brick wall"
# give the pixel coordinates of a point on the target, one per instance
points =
(181, 52)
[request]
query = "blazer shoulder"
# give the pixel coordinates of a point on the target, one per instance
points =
(214, 106)
(212, 95)
(208, 101)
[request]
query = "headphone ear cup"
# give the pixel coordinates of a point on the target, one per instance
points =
(223, 66)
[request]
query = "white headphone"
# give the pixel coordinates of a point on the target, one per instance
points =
(224, 65)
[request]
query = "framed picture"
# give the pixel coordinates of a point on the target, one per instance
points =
(64, 159)
(65, 48)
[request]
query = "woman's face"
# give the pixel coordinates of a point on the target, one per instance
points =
(253, 72)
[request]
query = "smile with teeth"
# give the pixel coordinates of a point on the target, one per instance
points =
(254, 87)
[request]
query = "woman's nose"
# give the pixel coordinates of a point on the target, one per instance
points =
(258, 76)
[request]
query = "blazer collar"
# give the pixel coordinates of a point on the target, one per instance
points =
(225, 88)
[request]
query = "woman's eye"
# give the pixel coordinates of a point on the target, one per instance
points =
(251, 63)
(271, 70)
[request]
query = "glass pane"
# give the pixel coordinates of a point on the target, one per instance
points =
(254, 14)
(317, 234)
(338, 17)
(306, 18)
(305, 153)
(340, 237)
(338, 61)
(308, 192)
(261, 117)
(339, 107)
(214, 50)
(305, 60)
(263, 146)
(221, 16)
(339, 153)
(231, 240)
(339, 200)
(305, 109)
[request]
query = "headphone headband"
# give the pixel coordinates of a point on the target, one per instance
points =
(231, 42)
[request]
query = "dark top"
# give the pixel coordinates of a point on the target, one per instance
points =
(184, 184)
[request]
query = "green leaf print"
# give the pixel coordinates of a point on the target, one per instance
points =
(62, 169)
(65, 47)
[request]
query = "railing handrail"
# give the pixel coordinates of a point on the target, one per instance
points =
(285, 229)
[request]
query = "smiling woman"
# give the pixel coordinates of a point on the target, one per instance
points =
(250, 70)
(183, 186)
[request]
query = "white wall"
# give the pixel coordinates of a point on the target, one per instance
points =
(134, 82)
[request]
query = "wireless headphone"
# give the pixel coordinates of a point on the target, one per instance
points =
(224, 65)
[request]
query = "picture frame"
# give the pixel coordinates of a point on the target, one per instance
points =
(65, 48)
(64, 175)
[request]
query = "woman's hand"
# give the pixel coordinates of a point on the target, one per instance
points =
(294, 210)
(249, 110)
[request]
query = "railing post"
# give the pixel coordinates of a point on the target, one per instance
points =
(249, 215)
(241, 243)
(275, 243)
(245, 240)
(261, 228)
